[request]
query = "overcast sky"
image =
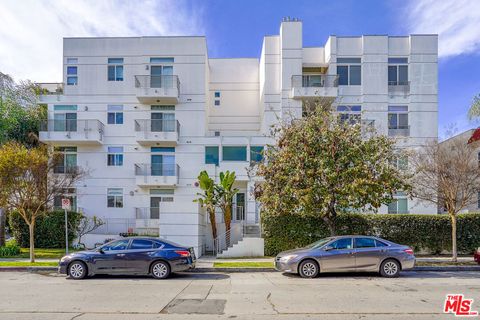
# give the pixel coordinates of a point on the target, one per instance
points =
(31, 32)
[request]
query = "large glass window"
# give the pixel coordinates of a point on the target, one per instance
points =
(115, 114)
(349, 71)
(397, 71)
(211, 155)
(234, 153)
(344, 243)
(349, 114)
(139, 244)
(115, 198)
(66, 158)
(364, 243)
(72, 76)
(116, 245)
(399, 203)
(115, 69)
(115, 156)
(398, 117)
(256, 153)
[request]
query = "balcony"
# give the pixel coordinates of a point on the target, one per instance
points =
(157, 89)
(157, 174)
(314, 86)
(66, 169)
(152, 132)
(398, 88)
(399, 131)
(72, 131)
(48, 92)
(147, 218)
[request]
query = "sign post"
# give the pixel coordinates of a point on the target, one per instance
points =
(66, 206)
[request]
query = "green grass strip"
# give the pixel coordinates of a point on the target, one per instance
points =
(242, 264)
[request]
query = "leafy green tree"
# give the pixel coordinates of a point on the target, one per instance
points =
(226, 192)
(28, 184)
(208, 199)
(321, 166)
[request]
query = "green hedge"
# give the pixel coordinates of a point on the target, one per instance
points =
(429, 233)
(49, 229)
(10, 249)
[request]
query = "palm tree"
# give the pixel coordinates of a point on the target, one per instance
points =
(208, 199)
(226, 192)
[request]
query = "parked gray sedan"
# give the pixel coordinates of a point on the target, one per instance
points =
(347, 254)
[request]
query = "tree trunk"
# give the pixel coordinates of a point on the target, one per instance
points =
(453, 218)
(2, 227)
(31, 229)
(330, 224)
(213, 223)
(228, 220)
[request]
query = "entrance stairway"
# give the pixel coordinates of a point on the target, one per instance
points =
(248, 243)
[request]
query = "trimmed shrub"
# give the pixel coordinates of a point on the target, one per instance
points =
(49, 229)
(423, 232)
(10, 249)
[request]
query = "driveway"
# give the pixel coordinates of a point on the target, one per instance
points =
(271, 295)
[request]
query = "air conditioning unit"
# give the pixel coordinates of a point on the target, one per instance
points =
(217, 133)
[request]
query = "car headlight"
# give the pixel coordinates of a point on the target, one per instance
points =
(65, 258)
(288, 258)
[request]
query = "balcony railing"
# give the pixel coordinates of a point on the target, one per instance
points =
(399, 131)
(315, 81)
(51, 88)
(154, 125)
(398, 87)
(165, 81)
(65, 169)
(74, 125)
(157, 169)
(147, 213)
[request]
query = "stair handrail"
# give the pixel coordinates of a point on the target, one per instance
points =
(217, 244)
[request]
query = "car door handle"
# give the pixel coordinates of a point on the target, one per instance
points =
(120, 254)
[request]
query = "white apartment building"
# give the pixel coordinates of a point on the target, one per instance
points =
(144, 115)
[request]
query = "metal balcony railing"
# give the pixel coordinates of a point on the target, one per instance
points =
(65, 169)
(72, 125)
(398, 87)
(399, 131)
(49, 88)
(154, 125)
(157, 169)
(165, 81)
(147, 213)
(315, 81)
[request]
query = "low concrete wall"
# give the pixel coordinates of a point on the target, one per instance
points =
(248, 247)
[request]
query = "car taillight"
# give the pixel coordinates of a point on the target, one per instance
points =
(183, 253)
(409, 251)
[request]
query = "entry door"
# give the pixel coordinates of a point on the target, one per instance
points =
(155, 207)
(340, 258)
(160, 76)
(163, 122)
(239, 213)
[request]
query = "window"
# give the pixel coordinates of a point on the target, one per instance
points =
(364, 243)
(72, 76)
(67, 160)
(349, 71)
(237, 153)
(115, 69)
(162, 60)
(115, 198)
(115, 114)
(397, 71)
(69, 193)
(379, 243)
(116, 245)
(140, 244)
(398, 117)
(115, 156)
(164, 195)
(211, 155)
(350, 114)
(400, 162)
(256, 153)
(399, 204)
(217, 103)
(345, 243)
(217, 94)
(72, 60)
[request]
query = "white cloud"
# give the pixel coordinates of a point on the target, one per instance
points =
(456, 21)
(31, 31)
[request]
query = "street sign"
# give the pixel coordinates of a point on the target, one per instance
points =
(66, 204)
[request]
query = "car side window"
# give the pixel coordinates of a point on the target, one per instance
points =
(345, 243)
(364, 243)
(117, 245)
(380, 243)
(141, 244)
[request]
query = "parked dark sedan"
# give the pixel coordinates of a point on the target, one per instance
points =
(346, 254)
(137, 255)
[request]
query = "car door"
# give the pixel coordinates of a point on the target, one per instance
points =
(367, 254)
(338, 256)
(139, 255)
(111, 258)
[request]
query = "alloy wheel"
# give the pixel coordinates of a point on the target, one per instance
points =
(160, 270)
(76, 270)
(390, 268)
(309, 269)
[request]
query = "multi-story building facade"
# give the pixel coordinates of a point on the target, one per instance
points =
(144, 115)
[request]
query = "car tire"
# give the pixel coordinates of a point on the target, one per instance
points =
(77, 270)
(390, 268)
(160, 270)
(308, 269)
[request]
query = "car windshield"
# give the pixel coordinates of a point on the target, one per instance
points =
(318, 243)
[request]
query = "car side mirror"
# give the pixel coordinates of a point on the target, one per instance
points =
(100, 250)
(328, 248)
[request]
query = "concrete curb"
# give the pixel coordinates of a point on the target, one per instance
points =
(236, 270)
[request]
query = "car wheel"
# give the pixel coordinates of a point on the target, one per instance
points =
(77, 270)
(308, 269)
(390, 268)
(160, 270)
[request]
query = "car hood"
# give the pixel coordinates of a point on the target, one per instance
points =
(81, 253)
(293, 251)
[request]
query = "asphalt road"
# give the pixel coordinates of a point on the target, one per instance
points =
(415, 295)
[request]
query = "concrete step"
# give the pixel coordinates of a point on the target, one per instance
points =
(247, 247)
